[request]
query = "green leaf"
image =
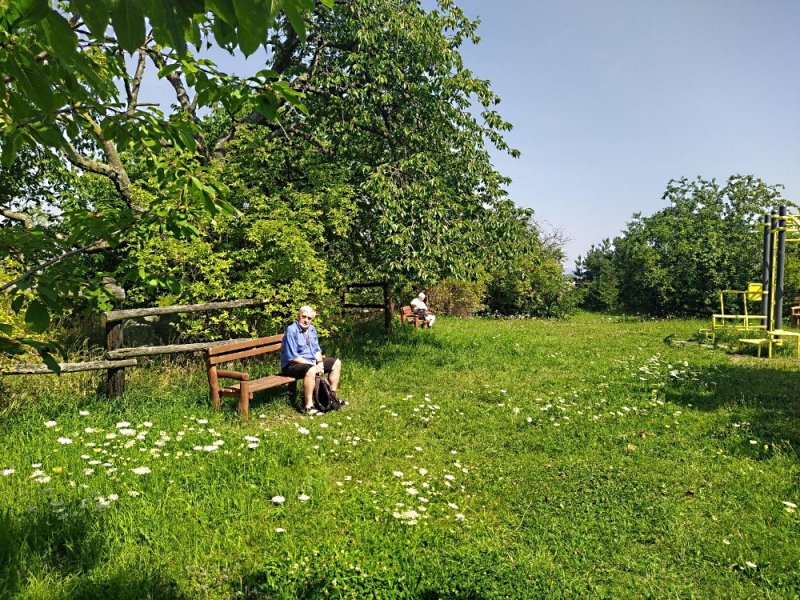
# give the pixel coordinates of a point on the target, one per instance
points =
(51, 362)
(224, 10)
(17, 303)
(60, 35)
(95, 15)
(30, 12)
(128, 22)
(224, 33)
(11, 145)
(296, 19)
(252, 25)
(32, 81)
(6, 328)
(37, 317)
(11, 347)
(267, 106)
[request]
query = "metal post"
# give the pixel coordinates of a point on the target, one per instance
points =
(765, 271)
(781, 260)
(773, 225)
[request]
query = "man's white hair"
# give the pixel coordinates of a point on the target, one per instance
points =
(421, 296)
(306, 309)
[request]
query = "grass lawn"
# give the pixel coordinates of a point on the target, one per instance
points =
(479, 459)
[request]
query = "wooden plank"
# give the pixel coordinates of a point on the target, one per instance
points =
(350, 305)
(221, 358)
(170, 349)
(244, 343)
(133, 313)
(258, 385)
(39, 369)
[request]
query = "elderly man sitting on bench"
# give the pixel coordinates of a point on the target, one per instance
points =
(302, 358)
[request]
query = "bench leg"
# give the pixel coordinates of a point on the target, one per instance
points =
(213, 384)
(244, 400)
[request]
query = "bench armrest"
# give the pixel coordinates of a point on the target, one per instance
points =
(233, 375)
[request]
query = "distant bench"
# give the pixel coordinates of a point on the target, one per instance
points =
(407, 315)
(246, 387)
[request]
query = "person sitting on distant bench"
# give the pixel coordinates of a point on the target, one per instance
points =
(421, 310)
(302, 358)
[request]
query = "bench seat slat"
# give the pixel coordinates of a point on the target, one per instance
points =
(258, 385)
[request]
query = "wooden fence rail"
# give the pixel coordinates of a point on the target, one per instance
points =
(39, 369)
(119, 357)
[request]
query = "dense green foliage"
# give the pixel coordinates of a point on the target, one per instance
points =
(613, 465)
(73, 76)
(677, 260)
(360, 153)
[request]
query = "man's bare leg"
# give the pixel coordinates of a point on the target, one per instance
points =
(333, 376)
(308, 388)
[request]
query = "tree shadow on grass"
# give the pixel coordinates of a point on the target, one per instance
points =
(369, 345)
(761, 400)
(65, 546)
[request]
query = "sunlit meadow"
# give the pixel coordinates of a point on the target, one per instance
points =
(592, 457)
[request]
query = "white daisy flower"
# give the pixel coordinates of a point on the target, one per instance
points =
(304, 498)
(50, 423)
(7, 472)
(278, 499)
(141, 470)
(123, 424)
(303, 431)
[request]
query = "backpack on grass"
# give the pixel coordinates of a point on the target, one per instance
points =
(325, 399)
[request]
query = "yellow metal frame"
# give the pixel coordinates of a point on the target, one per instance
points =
(740, 322)
(774, 337)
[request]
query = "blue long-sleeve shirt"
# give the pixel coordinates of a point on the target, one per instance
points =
(299, 344)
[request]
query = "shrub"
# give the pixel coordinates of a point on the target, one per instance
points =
(457, 298)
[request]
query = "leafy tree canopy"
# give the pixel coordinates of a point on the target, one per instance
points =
(677, 260)
(72, 79)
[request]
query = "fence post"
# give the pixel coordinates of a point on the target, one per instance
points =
(387, 306)
(114, 341)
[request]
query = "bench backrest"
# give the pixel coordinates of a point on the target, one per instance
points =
(238, 350)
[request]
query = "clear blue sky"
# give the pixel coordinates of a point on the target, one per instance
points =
(610, 99)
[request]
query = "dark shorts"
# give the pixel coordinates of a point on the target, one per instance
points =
(298, 370)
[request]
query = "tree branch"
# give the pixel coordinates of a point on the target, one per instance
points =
(93, 247)
(20, 217)
(132, 87)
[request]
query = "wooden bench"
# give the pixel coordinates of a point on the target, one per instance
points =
(407, 315)
(246, 387)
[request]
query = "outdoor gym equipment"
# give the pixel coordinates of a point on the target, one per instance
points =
(780, 229)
